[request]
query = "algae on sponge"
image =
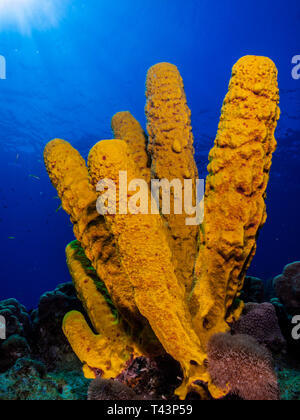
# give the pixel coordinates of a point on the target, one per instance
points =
(91, 290)
(235, 207)
(172, 152)
(110, 350)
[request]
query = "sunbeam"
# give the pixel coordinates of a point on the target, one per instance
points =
(28, 14)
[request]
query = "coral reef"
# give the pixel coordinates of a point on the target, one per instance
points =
(17, 318)
(28, 380)
(289, 383)
(47, 340)
(145, 260)
(12, 349)
(287, 287)
(287, 303)
(260, 322)
(239, 363)
(18, 329)
(36, 360)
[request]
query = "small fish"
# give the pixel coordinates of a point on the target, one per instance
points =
(56, 198)
(35, 177)
(11, 237)
(57, 210)
(17, 156)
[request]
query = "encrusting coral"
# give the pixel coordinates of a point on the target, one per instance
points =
(146, 260)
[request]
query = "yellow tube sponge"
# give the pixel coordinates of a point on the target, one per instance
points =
(171, 147)
(100, 354)
(146, 257)
(111, 350)
(69, 175)
(235, 207)
(145, 260)
(127, 128)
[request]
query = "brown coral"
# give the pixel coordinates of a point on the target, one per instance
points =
(239, 363)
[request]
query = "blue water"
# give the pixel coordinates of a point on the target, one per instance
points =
(68, 78)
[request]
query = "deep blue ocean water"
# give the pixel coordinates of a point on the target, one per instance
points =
(70, 70)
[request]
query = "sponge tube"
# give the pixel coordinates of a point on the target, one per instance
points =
(171, 148)
(235, 207)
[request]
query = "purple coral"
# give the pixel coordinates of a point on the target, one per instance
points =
(287, 287)
(239, 362)
(260, 322)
